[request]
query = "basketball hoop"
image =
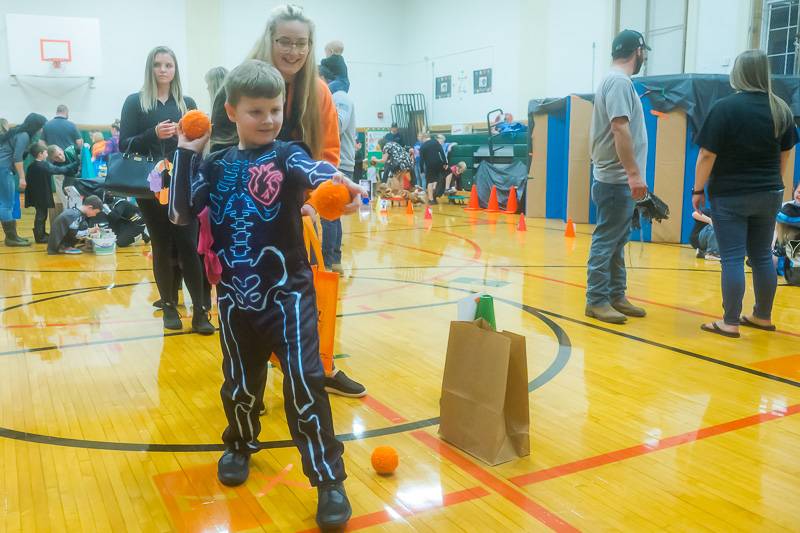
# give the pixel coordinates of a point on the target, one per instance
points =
(55, 52)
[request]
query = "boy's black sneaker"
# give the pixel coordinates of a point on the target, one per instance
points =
(201, 323)
(233, 468)
(333, 507)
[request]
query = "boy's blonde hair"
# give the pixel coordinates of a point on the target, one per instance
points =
(254, 79)
(97, 136)
(52, 150)
(461, 166)
(334, 48)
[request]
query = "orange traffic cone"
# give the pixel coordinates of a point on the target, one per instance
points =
(409, 207)
(570, 231)
(428, 214)
(493, 205)
(522, 226)
(473, 200)
(511, 206)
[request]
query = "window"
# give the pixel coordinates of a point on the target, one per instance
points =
(779, 34)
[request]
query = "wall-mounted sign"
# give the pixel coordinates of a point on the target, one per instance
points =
(482, 81)
(444, 87)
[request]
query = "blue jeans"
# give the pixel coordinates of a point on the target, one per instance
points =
(420, 175)
(606, 276)
(8, 190)
(708, 240)
(745, 224)
(331, 241)
(332, 237)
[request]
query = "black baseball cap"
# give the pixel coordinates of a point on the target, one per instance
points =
(628, 41)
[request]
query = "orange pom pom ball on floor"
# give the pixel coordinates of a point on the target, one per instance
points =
(385, 460)
(330, 199)
(195, 124)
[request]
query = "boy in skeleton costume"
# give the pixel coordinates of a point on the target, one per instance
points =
(254, 193)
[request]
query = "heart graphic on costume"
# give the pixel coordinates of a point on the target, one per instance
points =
(265, 183)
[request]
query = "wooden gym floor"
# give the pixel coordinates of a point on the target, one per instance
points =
(108, 424)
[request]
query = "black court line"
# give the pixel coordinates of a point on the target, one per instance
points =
(73, 293)
(44, 250)
(560, 361)
(75, 271)
(628, 336)
(663, 269)
(707, 358)
(589, 234)
(74, 289)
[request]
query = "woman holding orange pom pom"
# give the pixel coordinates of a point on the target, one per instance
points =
(309, 113)
(149, 126)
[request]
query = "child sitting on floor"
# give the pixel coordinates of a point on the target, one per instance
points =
(71, 226)
(703, 238)
(454, 177)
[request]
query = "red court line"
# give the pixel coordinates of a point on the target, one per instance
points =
(382, 517)
(644, 449)
(384, 410)
(643, 300)
(496, 484)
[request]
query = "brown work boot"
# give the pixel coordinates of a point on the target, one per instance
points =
(628, 309)
(605, 313)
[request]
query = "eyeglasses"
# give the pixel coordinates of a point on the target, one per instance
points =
(286, 45)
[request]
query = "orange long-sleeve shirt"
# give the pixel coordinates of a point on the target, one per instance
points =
(329, 122)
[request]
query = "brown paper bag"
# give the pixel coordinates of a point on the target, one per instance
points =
(484, 404)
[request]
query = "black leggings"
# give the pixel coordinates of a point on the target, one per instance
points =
(166, 237)
(39, 223)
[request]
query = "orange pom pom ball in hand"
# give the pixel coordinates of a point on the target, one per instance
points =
(195, 124)
(330, 199)
(385, 460)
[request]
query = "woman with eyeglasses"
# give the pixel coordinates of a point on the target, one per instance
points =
(309, 114)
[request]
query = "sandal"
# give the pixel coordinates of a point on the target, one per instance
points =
(750, 324)
(719, 331)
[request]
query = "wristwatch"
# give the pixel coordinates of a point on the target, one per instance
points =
(695, 193)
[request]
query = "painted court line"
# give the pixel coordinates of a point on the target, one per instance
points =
(384, 410)
(392, 513)
(496, 484)
(644, 449)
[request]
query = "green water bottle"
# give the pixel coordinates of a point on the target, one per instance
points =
(485, 310)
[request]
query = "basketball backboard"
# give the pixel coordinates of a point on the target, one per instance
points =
(58, 47)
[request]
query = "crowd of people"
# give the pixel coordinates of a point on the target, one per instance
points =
(282, 125)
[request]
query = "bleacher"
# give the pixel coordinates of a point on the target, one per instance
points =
(474, 147)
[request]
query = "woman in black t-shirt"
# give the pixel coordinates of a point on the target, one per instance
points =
(149, 126)
(745, 143)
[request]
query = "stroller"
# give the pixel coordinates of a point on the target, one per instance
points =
(787, 243)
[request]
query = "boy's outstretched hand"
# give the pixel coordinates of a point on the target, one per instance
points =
(356, 192)
(197, 145)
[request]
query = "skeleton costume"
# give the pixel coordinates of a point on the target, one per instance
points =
(266, 295)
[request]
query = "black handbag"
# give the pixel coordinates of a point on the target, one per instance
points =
(127, 175)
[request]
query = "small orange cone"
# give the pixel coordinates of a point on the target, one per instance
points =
(521, 225)
(493, 205)
(409, 207)
(473, 200)
(511, 206)
(570, 231)
(428, 214)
